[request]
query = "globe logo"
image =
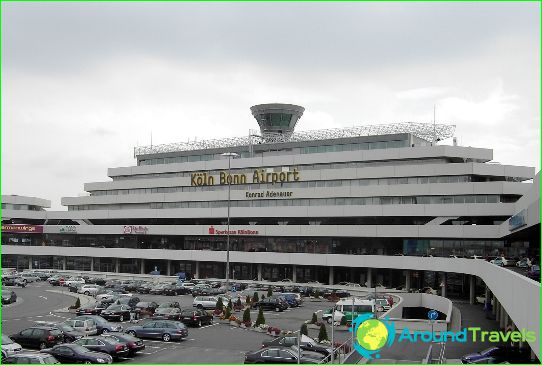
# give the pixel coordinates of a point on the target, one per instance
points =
(372, 335)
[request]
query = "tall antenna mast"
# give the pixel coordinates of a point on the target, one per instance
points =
(434, 124)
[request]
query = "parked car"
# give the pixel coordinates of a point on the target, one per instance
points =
(307, 344)
(8, 296)
(497, 261)
(86, 326)
(158, 289)
(201, 289)
(382, 305)
(102, 324)
(534, 272)
(293, 299)
(145, 309)
(167, 313)
(89, 289)
(276, 304)
(205, 302)
(105, 345)
(133, 344)
(498, 354)
(28, 358)
(74, 287)
(196, 317)
(144, 288)
(74, 280)
(166, 330)
(13, 281)
(91, 308)
(70, 333)
(279, 355)
(524, 263)
(76, 354)
(344, 308)
(9, 347)
(116, 312)
(169, 305)
(30, 277)
(39, 337)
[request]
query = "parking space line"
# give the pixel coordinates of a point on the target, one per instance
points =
(210, 325)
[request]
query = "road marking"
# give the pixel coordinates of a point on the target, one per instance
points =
(209, 325)
(41, 296)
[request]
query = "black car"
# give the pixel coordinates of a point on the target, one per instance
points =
(39, 337)
(102, 324)
(116, 312)
(158, 289)
(167, 313)
(159, 329)
(145, 309)
(289, 341)
(76, 354)
(276, 304)
(74, 288)
(279, 355)
(70, 333)
(104, 344)
(91, 308)
(27, 358)
(169, 305)
(534, 272)
(129, 301)
(498, 354)
(144, 288)
(195, 317)
(170, 289)
(200, 290)
(133, 344)
(13, 281)
(8, 296)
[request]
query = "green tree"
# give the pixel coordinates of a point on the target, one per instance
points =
(314, 319)
(255, 298)
(227, 313)
(304, 329)
(269, 291)
(317, 294)
(263, 297)
(238, 304)
(247, 301)
(230, 306)
(77, 303)
(219, 303)
(246, 315)
(322, 335)
(261, 319)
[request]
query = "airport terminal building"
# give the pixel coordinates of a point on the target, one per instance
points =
(327, 205)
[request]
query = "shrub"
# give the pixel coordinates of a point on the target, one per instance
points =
(317, 294)
(230, 306)
(322, 335)
(263, 297)
(255, 298)
(304, 329)
(227, 313)
(77, 304)
(219, 304)
(246, 315)
(261, 319)
(314, 318)
(269, 291)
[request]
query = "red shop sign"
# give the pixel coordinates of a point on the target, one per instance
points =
(21, 228)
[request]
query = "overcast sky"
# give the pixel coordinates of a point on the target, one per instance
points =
(83, 83)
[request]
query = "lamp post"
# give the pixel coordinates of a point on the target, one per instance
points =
(228, 181)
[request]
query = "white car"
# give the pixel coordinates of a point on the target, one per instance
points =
(382, 305)
(353, 285)
(205, 302)
(524, 263)
(73, 281)
(9, 347)
(30, 277)
(89, 289)
(86, 326)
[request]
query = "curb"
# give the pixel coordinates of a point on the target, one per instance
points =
(82, 298)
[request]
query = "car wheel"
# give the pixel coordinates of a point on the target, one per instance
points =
(199, 323)
(277, 309)
(87, 293)
(87, 362)
(131, 333)
(105, 330)
(199, 306)
(121, 318)
(43, 346)
(329, 320)
(166, 337)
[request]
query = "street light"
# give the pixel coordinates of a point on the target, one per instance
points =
(228, 181)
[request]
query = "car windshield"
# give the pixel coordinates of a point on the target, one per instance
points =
(6, 340)
(142, 304)
(114, 308)
(166, 305)
(65, 327)
(490, 350)
(164, 310)
(79, 349)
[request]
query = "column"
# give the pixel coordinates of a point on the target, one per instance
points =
(331, 274)
(408, 280)
(472, 289)
(168, 268)
(369, 277)
(443, 284)
(142, 266)
(64, 263)
(294, 274)
(92, 264)
(30, 258)
(494, 308)
(197, 270)
(259, 272)
(117, 265)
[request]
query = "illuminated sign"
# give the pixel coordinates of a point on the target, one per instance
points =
(237, 232)
(517, 221)
(258, 177)
(135, 230)
(21, 228)
(68, 229)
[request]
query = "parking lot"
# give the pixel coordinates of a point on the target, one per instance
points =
(41, 303)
